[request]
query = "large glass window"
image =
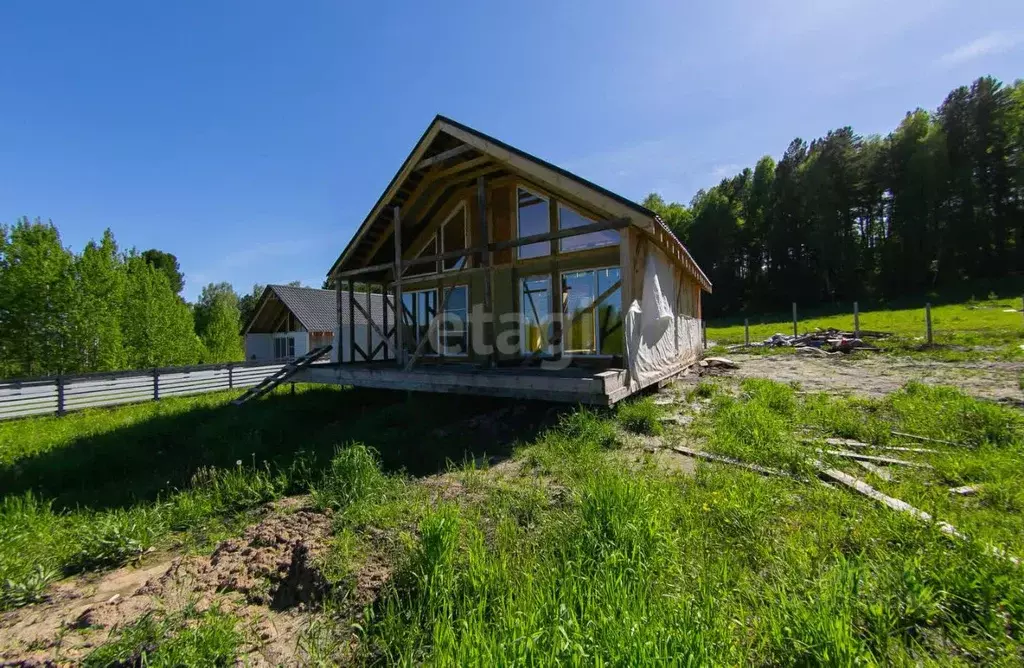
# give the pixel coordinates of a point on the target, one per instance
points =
(426, 268)
(569, 218)
(419, 308)
(535, 322)
(453, 237)
(454, 330)
(591, 328)
(284, 347)
(532, 217)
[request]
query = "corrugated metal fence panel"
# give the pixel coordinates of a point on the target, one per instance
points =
(22, 398)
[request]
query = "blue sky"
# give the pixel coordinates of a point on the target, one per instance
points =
(251, 138)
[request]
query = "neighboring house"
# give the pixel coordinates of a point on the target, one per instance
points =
(288, 322)
(590, 296)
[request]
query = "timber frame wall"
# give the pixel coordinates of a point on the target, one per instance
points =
(478, 267)
(454, 167)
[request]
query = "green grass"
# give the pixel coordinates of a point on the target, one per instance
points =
(636, 566)
(100, 488)
(581, 550)
(184, 638)
(976, 329)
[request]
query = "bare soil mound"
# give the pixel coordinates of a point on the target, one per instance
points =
(268, 577)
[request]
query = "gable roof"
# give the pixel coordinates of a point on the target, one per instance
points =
(446, 140)
(316, 309)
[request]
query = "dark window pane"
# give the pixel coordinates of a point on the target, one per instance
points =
(533, 219)
(453, 237)
(568, 218)
(454, 335)
(428, 268)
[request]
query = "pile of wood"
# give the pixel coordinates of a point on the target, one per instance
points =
(822, 341)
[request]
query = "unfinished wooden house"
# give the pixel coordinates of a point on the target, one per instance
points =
(512, 277)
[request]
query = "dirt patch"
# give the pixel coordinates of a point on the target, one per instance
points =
(268, 577)
(877, 376)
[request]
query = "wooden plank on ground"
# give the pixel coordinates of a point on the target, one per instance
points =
(874, 459)
(707, 456)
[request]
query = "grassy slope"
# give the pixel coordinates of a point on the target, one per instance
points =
(592, 553)
(970, 330)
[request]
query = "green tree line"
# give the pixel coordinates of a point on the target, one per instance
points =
(938, 201)
(103, 309)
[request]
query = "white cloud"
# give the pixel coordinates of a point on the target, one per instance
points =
(994, 42)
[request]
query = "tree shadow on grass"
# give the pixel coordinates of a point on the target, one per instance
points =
(418, 433)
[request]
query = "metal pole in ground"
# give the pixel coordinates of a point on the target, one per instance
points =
(794, 319)
(928, 321)
(856, 320)
(746, 331)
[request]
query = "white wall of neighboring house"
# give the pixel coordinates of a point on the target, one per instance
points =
(261, 346)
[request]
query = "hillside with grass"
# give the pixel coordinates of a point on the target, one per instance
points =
(342, 526)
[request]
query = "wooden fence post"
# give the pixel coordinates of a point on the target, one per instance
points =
(156, 384)
(794, 319)
(856, 320)
(928, 321)
(746, 331)
(60, 396)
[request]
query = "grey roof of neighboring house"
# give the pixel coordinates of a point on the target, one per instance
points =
(316, 309)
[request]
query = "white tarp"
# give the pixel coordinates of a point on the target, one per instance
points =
(660, 329)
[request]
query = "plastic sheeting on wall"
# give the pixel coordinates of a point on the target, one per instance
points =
(660, 330)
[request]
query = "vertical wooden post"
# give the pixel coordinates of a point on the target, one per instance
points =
(485, 261)
(440, 329)
(399, 315)
(231, 376)
(351, 320)
(856, 320)
(156, 384)
(928, 321)
(704, 333)
(60, 396)
(746, 331)
(794, 319)
(384, 315)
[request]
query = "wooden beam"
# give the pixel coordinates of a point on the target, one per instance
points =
(461, 167)
(441, 157)
(484, 262)
(617, 224)
(373, 325)
(415, 194)
(399, 323)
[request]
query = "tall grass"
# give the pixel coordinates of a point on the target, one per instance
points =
(640, 567)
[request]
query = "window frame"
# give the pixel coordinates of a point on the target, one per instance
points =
(460, 207)
(519, 232)
(597, 329)
(465, 330)
(562, 204)
(546, 348)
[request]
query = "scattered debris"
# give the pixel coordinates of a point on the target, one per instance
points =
(867, 490)
(821, 342)
(664, 401)
(879, 471)
(700, 454)
(927, 439)
(877, 460)
(681, 420)
(966, 490)
(719, 363)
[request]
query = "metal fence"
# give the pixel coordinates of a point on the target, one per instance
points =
(60, 394)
